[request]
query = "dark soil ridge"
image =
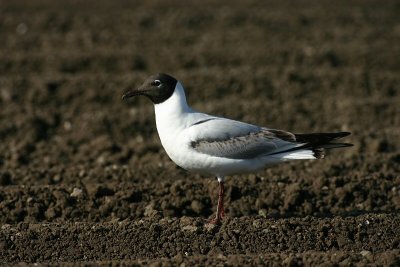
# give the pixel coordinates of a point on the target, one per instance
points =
(252, 195)
(168, 237)
(310, 258)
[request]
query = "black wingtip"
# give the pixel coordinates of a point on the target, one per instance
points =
(347, 144)
(342, 134)
(320, 138)
(335, 145)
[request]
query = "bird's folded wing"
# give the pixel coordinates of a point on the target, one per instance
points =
(237, 140)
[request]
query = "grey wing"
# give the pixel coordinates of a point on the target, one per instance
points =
(248, 141)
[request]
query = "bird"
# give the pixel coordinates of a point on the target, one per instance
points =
(218, 146)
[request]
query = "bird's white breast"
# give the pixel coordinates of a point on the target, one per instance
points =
(171, 121)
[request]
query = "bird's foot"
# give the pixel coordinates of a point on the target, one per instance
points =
(220, 213)
(217, 219)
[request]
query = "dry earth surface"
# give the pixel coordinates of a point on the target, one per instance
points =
(84, 179)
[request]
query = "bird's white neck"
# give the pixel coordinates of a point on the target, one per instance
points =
(175, 105)
(169, 114)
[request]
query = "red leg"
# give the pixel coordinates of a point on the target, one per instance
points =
(220, 207)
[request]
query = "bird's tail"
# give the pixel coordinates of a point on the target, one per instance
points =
(314, 145)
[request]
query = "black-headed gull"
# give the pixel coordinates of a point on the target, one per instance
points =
(218, 146)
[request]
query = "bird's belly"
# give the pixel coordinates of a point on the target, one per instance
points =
(202, 163)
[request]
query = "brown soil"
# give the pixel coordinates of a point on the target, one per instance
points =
(84, 179)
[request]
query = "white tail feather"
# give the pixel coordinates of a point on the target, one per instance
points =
(298, 154)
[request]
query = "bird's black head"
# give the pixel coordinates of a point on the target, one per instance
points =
(157, 88)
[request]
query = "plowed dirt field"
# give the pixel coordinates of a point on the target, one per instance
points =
(83, 176)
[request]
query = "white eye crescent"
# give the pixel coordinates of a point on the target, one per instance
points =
(157, 83)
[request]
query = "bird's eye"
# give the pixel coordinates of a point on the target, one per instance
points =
(156, 83)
